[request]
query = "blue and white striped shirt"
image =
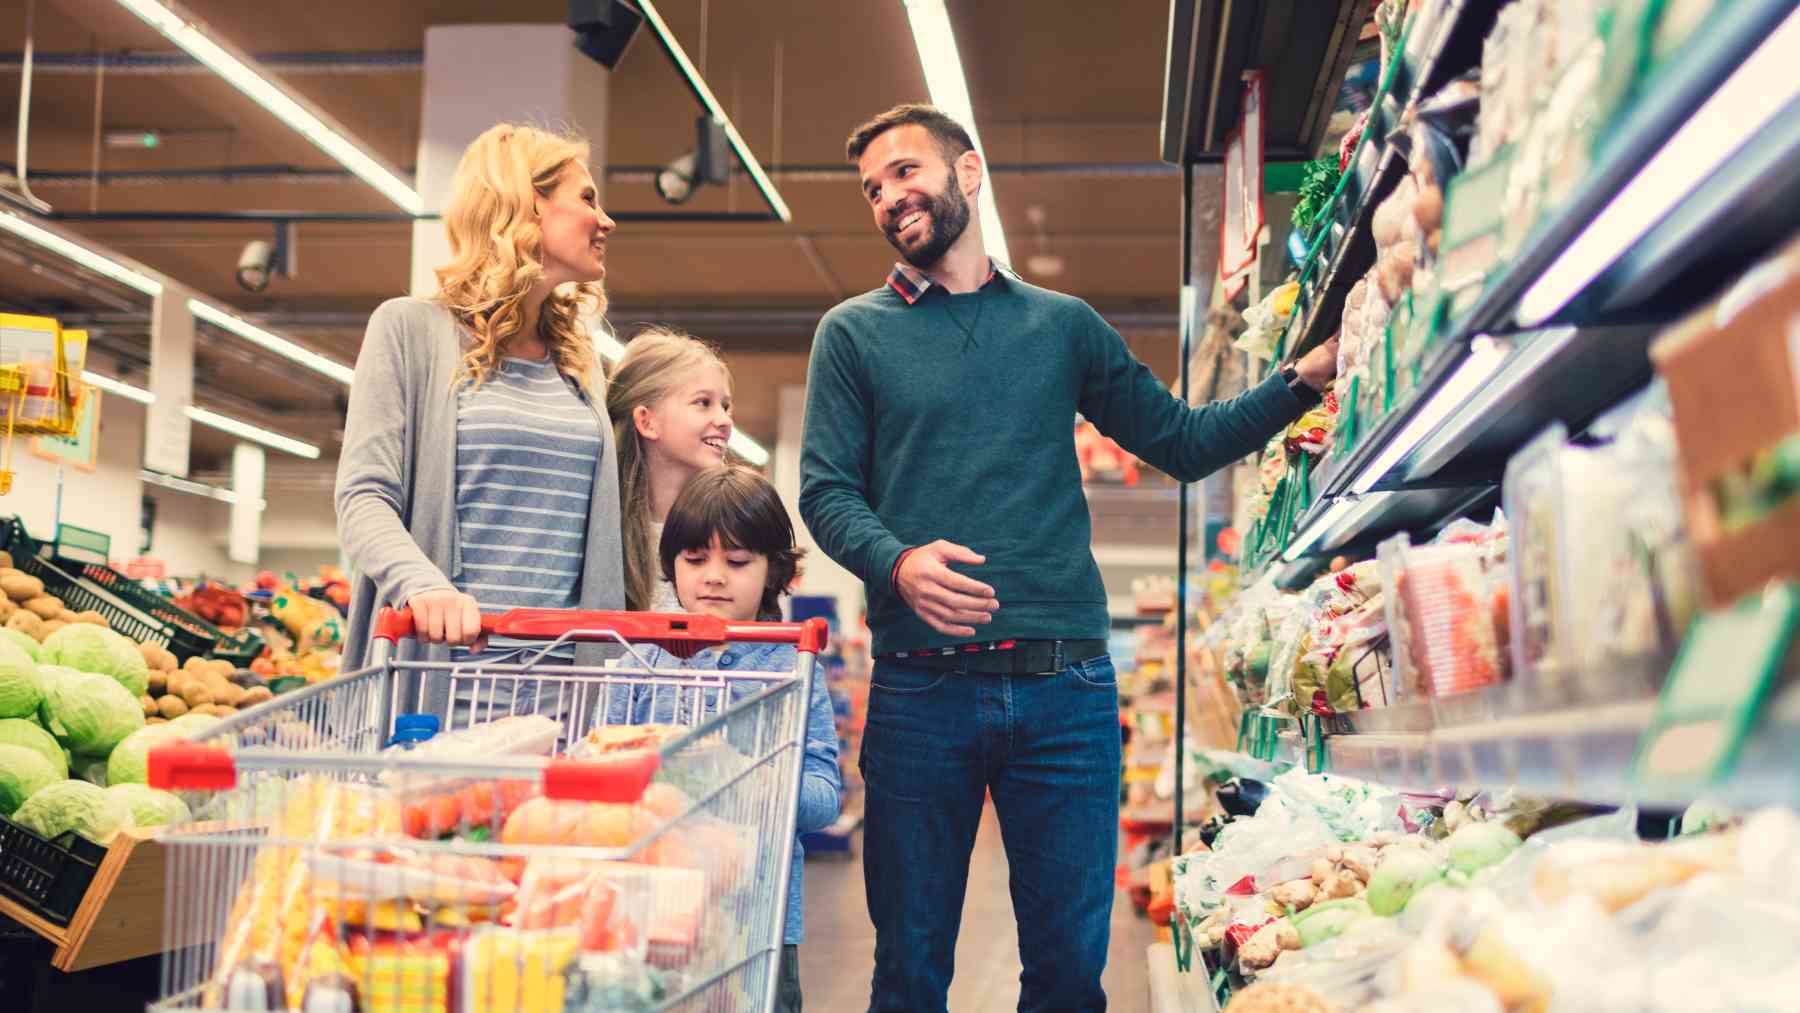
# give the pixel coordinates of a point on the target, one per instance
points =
(525, 447)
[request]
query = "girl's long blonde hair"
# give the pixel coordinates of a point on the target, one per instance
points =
(497, 255)
(656, 362)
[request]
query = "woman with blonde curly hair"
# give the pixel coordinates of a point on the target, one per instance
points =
(478, 471)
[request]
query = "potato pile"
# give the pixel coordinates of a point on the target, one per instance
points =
(199, 687)
(25, 607)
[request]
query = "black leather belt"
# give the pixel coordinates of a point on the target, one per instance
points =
(1024, 657)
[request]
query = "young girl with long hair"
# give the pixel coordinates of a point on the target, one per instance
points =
(670, 404)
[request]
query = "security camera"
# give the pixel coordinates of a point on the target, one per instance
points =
(709, 162)
(675, 182)
(255, 265)
(262, 260)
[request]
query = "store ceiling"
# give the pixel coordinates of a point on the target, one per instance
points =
(1067, 97)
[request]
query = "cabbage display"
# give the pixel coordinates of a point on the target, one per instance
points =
(23, 772)
(90, 713)
(21, 638)
(21, 688)
(21, 732)
(86, 809)
(149, 806)
(89, 648)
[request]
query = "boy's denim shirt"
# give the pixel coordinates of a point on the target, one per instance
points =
(821, 783)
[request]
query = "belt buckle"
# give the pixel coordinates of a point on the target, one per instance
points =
(1057, 657)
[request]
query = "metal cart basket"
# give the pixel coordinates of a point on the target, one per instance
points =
(546, 850)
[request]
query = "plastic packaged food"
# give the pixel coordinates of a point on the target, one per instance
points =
(1446, 614)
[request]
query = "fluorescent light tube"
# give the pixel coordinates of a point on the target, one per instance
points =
(119, 387)
(273, 342)
(950, 92)
(73, 251)
(1754, 94)
(654, 18)
(240, 71)
(1317, 529)
(256, 434)
(747, 448)
(1485, 357)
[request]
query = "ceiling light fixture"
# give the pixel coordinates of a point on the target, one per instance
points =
(1752, 97)
(612, 350)
(950, 92)
(697, 84)
(238, 69)
(119, 387)
(273, 342)
(256, 434)
(71, 250)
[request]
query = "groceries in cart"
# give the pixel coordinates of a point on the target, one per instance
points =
(353, 854)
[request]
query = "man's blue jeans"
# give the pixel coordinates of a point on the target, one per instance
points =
(1047, 747)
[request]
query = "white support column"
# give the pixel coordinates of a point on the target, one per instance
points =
(248, 468)
(480, 75)
(823, 576)
(167, 428)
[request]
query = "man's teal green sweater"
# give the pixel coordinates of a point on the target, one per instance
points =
(954, 418)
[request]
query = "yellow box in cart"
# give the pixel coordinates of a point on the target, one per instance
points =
(1733, 371)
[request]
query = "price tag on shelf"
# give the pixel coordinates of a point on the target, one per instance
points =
(1715, 692)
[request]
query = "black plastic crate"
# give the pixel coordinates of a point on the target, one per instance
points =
(49, 877)
(188, 636)
(155, 619)
(240, 648)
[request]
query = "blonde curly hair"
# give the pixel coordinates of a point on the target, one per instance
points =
(496, 252)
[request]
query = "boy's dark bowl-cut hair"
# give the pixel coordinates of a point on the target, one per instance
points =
(746, 512)
(951, 138)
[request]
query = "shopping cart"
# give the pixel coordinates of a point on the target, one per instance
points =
(638, 868)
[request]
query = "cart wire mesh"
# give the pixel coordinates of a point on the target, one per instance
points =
(640, 867)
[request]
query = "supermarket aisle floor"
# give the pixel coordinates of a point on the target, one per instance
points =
(838, 956)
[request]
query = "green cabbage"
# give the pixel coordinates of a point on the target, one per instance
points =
(23, 639)
(1328, 920)
(151, 807)
(86, 809)
(31, 735)
(1475, 846)
(90, 648)
(90, 713)
(1402, 873)
(21, 687)
(128, 763)
(23, 771)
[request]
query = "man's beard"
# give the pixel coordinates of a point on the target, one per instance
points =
(949, 218)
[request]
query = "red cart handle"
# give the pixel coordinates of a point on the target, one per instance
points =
(187, 766)
(672, 631)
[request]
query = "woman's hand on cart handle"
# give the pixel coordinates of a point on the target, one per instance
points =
(446, 616)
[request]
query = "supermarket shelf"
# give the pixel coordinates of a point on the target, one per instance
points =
(121, 915)
(1580, 753)
(1561, 374)
(1444, 48)
(1480, 397)
(1303, 47)
(1171, 990)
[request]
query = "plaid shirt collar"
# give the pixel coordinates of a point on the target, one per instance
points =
(912, 283)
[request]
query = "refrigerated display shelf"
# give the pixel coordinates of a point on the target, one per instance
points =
(1461, 415)
(1583, 754)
